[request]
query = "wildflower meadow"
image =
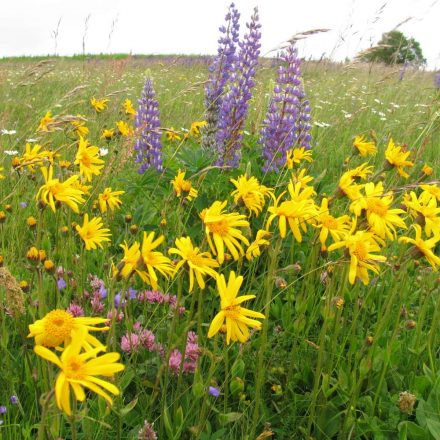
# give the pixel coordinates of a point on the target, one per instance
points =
(226, 247)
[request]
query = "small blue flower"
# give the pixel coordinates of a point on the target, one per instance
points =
(3, 409)
(13, 399)
(213, 391)
(61, 284)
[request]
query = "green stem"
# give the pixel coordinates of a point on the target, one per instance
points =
(42, 425)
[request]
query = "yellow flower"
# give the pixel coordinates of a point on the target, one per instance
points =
(397, 158)
(78, 371)
(221, 229)
(79, 126)
(45, 122)
(424, 247)
(195, 128)
(360, 245)
(295, 213)
(296, 155)
(107, 134)
(337, 227)
(128, 107)
(425, 211)
(172, 135)
(58, 327)
(131, 261)
(380, 216)
(254, 251)
(237, 318)
(348, 187)
(364, 147)
(109, 199)
(64, 192)
(198, 263)
(250, 193)
(64, 164)
(33, 156)
(154, 260)
(183, 187)
(33, 254)
(124, 129)
(427, 170)
(1, 175)
(31, 222)
(99, 104)
(88, 160)
(433, 190)
(92, 232)
(301, 177)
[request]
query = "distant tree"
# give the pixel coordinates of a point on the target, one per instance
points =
(394, 48)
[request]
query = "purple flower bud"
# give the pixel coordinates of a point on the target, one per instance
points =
(3, 409)
(61, 284)
(213, 391)
(13, 399)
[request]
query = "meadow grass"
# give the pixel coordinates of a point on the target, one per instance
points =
(331, 359)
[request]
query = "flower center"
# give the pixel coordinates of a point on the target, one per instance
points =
(74, 368)
(58, 326)
(378, 207)
(330, 222)
(360, 251)
(232, 312)
(221, 227)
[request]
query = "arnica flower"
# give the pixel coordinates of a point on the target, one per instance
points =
(237, 318)
(88, 160)
(58, 327)
(124, 129)
(55, 191)
(128, 107)
(107, 133)
(183, 188)
(425, 211)
(250, 193)
(360, 246)
(424, 247)
(397, 158)
(1, 175)
(427, 170)
(99, 104)
(254, 249)
(301, 176)
(131, 260)
(45, 122)
(79, 126)
(297, 155)
(79, 371)
(221, 230)
(336, 227)
(92, 232)
(364, 147)
(154, 261)
(109, 200)
(295, 213)
(33, 156)
(198, 263)
(432, 190)
(347, 182)
(195, 128)
(172, 135)
(376, 205)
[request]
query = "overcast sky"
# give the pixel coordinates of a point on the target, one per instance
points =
(28, 27)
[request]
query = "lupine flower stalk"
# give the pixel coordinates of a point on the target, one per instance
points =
(234, 105)
(148, 144)
(219, 73)
(286, 124)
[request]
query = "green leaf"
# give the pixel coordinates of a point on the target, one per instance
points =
(237, 369)
(124, 411)
(167, 423)
(411, 431)
(434, 428)
(229, 417)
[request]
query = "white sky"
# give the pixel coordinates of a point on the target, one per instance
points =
(191, 26)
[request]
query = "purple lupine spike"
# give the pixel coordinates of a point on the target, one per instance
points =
(148, 144)
(220, 71)
(437, 80)
(286, 124)
(234, 106)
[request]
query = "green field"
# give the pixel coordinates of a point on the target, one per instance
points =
(332, 359)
